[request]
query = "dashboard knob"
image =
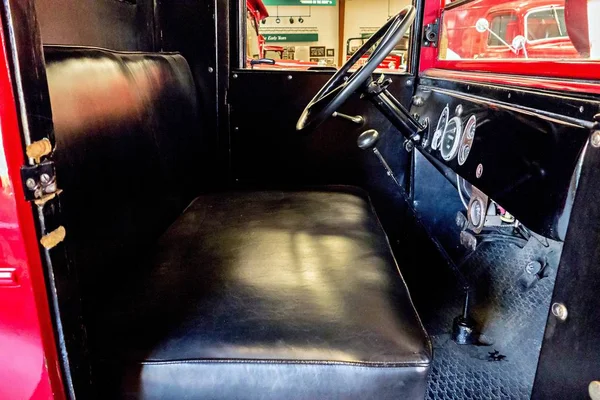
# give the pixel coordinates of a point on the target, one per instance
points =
(368, 139)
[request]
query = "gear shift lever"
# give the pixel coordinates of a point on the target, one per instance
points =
(367, 140)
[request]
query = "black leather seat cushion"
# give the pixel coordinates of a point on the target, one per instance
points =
(269, 295)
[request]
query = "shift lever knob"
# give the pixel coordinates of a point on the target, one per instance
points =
(368, 139)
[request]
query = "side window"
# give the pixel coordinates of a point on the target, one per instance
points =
(305, 34)
(546, 23)
(520, 30)
(502, 27)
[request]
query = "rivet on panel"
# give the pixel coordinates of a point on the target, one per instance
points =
(560, 311)
(235, 76)
(595, 139)
(289, 77)
(479, 171)
(211, 70)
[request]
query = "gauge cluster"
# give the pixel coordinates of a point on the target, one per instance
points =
(453, 136)
(521, 158)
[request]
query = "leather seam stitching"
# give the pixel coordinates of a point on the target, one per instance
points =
(288, 362)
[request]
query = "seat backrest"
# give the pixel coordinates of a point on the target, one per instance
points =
(127, 146)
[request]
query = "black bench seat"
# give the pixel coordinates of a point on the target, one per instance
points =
(245, 295)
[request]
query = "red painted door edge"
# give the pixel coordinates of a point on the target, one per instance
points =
(29, 360)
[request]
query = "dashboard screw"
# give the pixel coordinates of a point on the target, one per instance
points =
(235, 76)
(289, 77)
(479, 171)
(459, 110)
(581, 109)
(560, 311)
(596, 139)
(409, 82)
(211, 70)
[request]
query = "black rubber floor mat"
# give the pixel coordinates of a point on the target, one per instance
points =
(509, 317)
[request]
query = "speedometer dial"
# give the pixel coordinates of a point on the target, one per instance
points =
(451, 139)
(439, 130)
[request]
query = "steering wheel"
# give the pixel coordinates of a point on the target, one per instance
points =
(337, 90)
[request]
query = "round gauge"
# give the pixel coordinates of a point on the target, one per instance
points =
(467, 140)
(470, 127)
(451, 139)
(439, 130)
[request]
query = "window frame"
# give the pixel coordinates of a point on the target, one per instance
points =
(526, 26)
(577, 69)
(497, 14)
(238, 42)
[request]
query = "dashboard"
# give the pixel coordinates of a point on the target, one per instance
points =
(522, 149)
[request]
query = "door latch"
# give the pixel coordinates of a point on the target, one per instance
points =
(431, 34)
(39, 180)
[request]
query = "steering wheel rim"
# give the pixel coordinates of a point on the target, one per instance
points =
(337, 89)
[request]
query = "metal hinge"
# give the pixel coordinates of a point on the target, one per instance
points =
(431, 34)
(39, 180)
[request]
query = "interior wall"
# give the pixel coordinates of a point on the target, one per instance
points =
(369, 15)
(324, 20)
(361, 16)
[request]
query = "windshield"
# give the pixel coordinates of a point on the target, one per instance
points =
(519, 30)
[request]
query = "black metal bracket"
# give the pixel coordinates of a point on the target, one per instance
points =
(431, 35)
(38, 180)
(378, 86)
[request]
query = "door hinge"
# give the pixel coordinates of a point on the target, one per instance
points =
(431, 34)
(39, 180)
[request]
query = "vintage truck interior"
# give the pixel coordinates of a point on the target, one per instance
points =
(211, 231)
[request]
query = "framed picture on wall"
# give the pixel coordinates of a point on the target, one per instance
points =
(330, 52)
(317, 51)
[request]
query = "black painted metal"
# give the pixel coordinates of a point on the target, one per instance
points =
(398, 115)
(570, 359)
(190, 28)
(528, 157)
(267, 150)
(27, 64)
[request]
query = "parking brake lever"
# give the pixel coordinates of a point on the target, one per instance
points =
(367, 140)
